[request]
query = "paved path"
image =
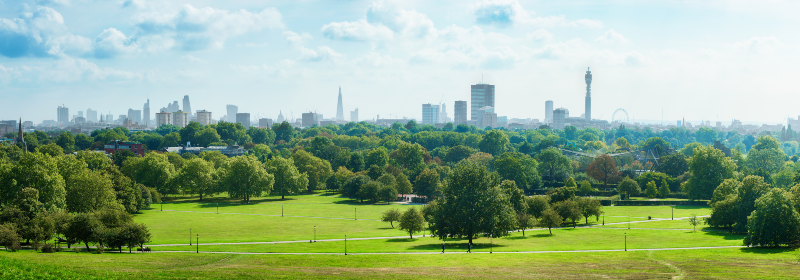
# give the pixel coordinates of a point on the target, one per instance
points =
(438, 253)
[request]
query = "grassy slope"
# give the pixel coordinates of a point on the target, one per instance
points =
(704, 264)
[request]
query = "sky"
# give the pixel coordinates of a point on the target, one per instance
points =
(698, 60)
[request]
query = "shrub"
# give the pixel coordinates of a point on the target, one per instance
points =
(49, 248)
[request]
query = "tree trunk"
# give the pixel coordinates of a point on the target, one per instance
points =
(523, 232)
(390, 222)
(87, 246)
(201, 196)
(573, 223)
(551, 230)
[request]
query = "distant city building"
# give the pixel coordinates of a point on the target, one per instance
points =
(8, 127)
(122, 119)
(502, 121)
(486, 117)
(281, 119)
(204, 117)
(135, 116)
(146, 114)
(163, 118)
(27, 124)
(78, 120)
(354, 115)
(109, 118)
(560, 116)
(91, 115)
(264, 122)
(113, 147)
(187, 107)
(310, 119)
(795, 123)
(588, 104)
(430, 114)
(232, 111)
(460, 112)
(548, 111)
(229, 151)
(443, 114)
(244, 119)
(339, 107)
(63, 115)
(80, 113)
(482, 95)
(180, 118)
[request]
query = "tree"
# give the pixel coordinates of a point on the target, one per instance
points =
(120, 156)
(629, 187)
(288, 180)
(387, 193)
(369, 191)
(589, 207)
(89, 191)
(283, 132)
(412, 222)
(427, 183)
(673, 165)
(94, 160)
(709, 168)
(390, 216)
(647, 177)
(246, 177)
(770, 160)
(85, 228)
(377, 157)
(694, 221)
(205, 137)
(651, 190)
(553, 164)
(153, 170)
(520, 168)
(83, 142)
(172, 139)
(751, 189)
(603, 169)
(458, 153)
(473, 203)
(189, 132)
(317, 169)
(339, 179)
(537, 205)
(354, 185)
(51, 149)
(409, 156)
(569, 210)
(402, 184)
(586, 187)
(493, 142)
(550, 219)
(37, 171)
(196, 176)
(774, 222)
(66, 141)
(524, 221)
(663, 190)
(261, 135)
(356, 162)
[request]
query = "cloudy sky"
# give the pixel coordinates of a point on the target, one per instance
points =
(712, 60)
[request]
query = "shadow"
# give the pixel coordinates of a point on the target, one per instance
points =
(402, 240)
(691, 207)
(461, 246)
(357, 202)
(766, 250)
(724, 235)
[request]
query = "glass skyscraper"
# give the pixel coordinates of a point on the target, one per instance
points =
(482, 96)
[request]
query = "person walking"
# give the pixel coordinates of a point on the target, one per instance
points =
(442, 247)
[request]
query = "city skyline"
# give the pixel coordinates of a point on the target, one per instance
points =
(531, 51)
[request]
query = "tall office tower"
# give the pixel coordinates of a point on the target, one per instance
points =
(109, 118)
(63, 115)
(135, 116)
(460, 113)
(186, 106)
(560, 116)
(204, 117)
(91, 115)
(354, 115)
(588, 79)
(482, 96)
(548, 111)
(281, 119)
(265, 122)
(486, 117)
(80, 114)
(443, 114)
(310, 119)
(146, 114)
(339, 107)
(232, 111)
(244, 119)
(430, 114)
(163, 118)
(180, 118)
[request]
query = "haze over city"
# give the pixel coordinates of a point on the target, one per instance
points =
(712, 61)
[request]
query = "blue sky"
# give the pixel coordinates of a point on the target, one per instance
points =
(712, 60)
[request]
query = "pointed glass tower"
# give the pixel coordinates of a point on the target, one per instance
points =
(340, 108)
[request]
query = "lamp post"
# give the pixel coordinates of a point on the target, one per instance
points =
(345, 244)
(629, 222)
(281, 210)
(355, 214)
(198, 244)
(217, 207)
(315, 233)
(673, 212)
(604, 219)
(626, 242)
(190, 236)
(162, 205)
(491, 242)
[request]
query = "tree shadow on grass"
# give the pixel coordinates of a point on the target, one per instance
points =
(530, 236)
(766, 250)
(724, 235)
(461, 246)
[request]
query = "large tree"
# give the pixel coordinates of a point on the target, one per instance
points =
(196, 176)
(88, 191)
(709, 168)
(751, 189)
(412, 222)
(38, 171)
(153, 170)
(553, 165)
(493, 142)
(246, 177)
(288, 180)
(603, 169)
(473, 203)
(774, 221)
(673, 165)
(317, 169)
(428, 183)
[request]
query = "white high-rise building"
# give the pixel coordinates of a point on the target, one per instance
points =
(146, 114)
(186, 106)
(354, 115)
(91, 115)
(232, 111)
(430, 114)
(204, 117)
(63, 115)
(180, 118)
(548, 111)
(163, 118)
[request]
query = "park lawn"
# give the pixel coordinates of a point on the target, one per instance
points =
(656, 211)
(329, 206)
(170, 227)
(733, 263)
(663, 224)
(535, 240)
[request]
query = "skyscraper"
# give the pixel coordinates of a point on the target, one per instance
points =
(244, 119)
(91, 115)
(146, 114)
(430, 114)
(204, 117)
(63, 115)
(354, 115)
(163, 118)
(186, 106)
(548, 111)
(135, 116)
(232, 111)
(80, 114)
(588, 78)
(180, 118)
(482, 96)
(460, 113)
(340, 108)
(443, 113)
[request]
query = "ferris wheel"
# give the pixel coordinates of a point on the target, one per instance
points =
(620, 115)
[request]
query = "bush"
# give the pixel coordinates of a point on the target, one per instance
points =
(605, 202)
(76, 250)
(98, 249)
(49, 248)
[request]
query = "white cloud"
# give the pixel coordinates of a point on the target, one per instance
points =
(323, 53)
(504, 13)
(540, 35)
(612, 36)
(383, 21)
(65, 70)
(756, 45)
(295, 39)
(193, 28)
(40, 33)
(111, 42)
